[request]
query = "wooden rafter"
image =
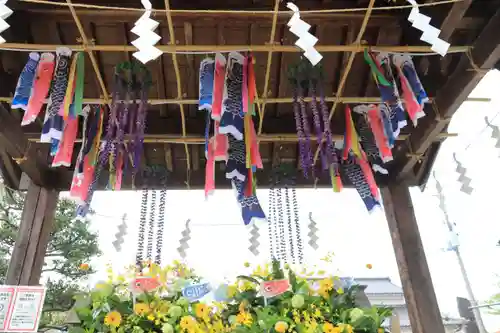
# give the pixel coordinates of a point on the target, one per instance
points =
(453, 19)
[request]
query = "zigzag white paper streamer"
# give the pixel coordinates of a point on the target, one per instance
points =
(254, 240)
(430, 34)
(313, 239)
(119, 236)
(306, 40)
(186, 236)
(495, 132)
(5, 12)
(144, 28)
(463, 179)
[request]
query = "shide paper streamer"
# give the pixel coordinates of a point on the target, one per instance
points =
(144, 28)
(430, 34)
(5, 12)
(306, 40)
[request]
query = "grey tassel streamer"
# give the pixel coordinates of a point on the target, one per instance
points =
(122, 231)
(254, 240)
(495, 132)
(463, 179)
(313, 238)
(186, 236)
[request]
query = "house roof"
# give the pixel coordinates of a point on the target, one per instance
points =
(379, 285)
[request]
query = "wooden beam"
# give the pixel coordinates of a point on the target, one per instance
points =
(11, 172)
(15, 143)
(453, 19)
(485, 53)
(410, 256)
(28, 256)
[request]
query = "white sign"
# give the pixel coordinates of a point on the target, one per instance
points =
(20, 308)
(6, 301)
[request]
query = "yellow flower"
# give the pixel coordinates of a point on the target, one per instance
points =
(326, 284)
(323, 292)
(345, 328)
(244, 318)
(114, 319)
(281, 327)
(202, 311)
(329, 328)
(380, 330)
(242, 306)
(246, 264)
(187, 323)
(151, 317)
(141, 309)
(340, 291)
(84, 267)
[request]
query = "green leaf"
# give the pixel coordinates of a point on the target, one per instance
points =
(248, 278)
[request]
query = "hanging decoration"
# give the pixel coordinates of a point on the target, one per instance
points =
(430, 34)
(25, 83)
(283, 217)
(126, 118)
(254, 240)
(40, 88)
(313, 229)
(413, 92)
(84, 178)
(229, 96)
(119, 236)
(154, 228)
(186, 237)
(306, 78)
(144, 28)
(495, 132)
(463, 179)
(306, 40)
(5, 12)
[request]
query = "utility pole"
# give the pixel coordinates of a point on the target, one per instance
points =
(454, 246)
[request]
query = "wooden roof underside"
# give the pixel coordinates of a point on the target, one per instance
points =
(54, 25)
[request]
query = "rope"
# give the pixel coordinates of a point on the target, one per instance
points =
(350, 61)
(474, 66)
(92, 57)
(240, 12)
(268, 67)
(179, 89)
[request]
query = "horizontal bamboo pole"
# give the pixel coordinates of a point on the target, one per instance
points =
(162, 138)
(239, 11)
(229, 48)
(282, 100)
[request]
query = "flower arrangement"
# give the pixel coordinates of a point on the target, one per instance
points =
(271, 299)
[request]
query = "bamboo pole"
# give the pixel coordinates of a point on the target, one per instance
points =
(91, 54)
(241, 12)
(281, 100)
(171, 33)
(173, 48)
(347, 70)
(195, 140)
(262, 109)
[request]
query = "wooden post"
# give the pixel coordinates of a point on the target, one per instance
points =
(410, 256)
(28, 256)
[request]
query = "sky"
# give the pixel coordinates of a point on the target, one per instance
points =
(219, 240)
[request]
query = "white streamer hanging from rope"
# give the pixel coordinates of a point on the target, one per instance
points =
(5, 12)
(306, 40)
(430, 34)
(144, 28)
